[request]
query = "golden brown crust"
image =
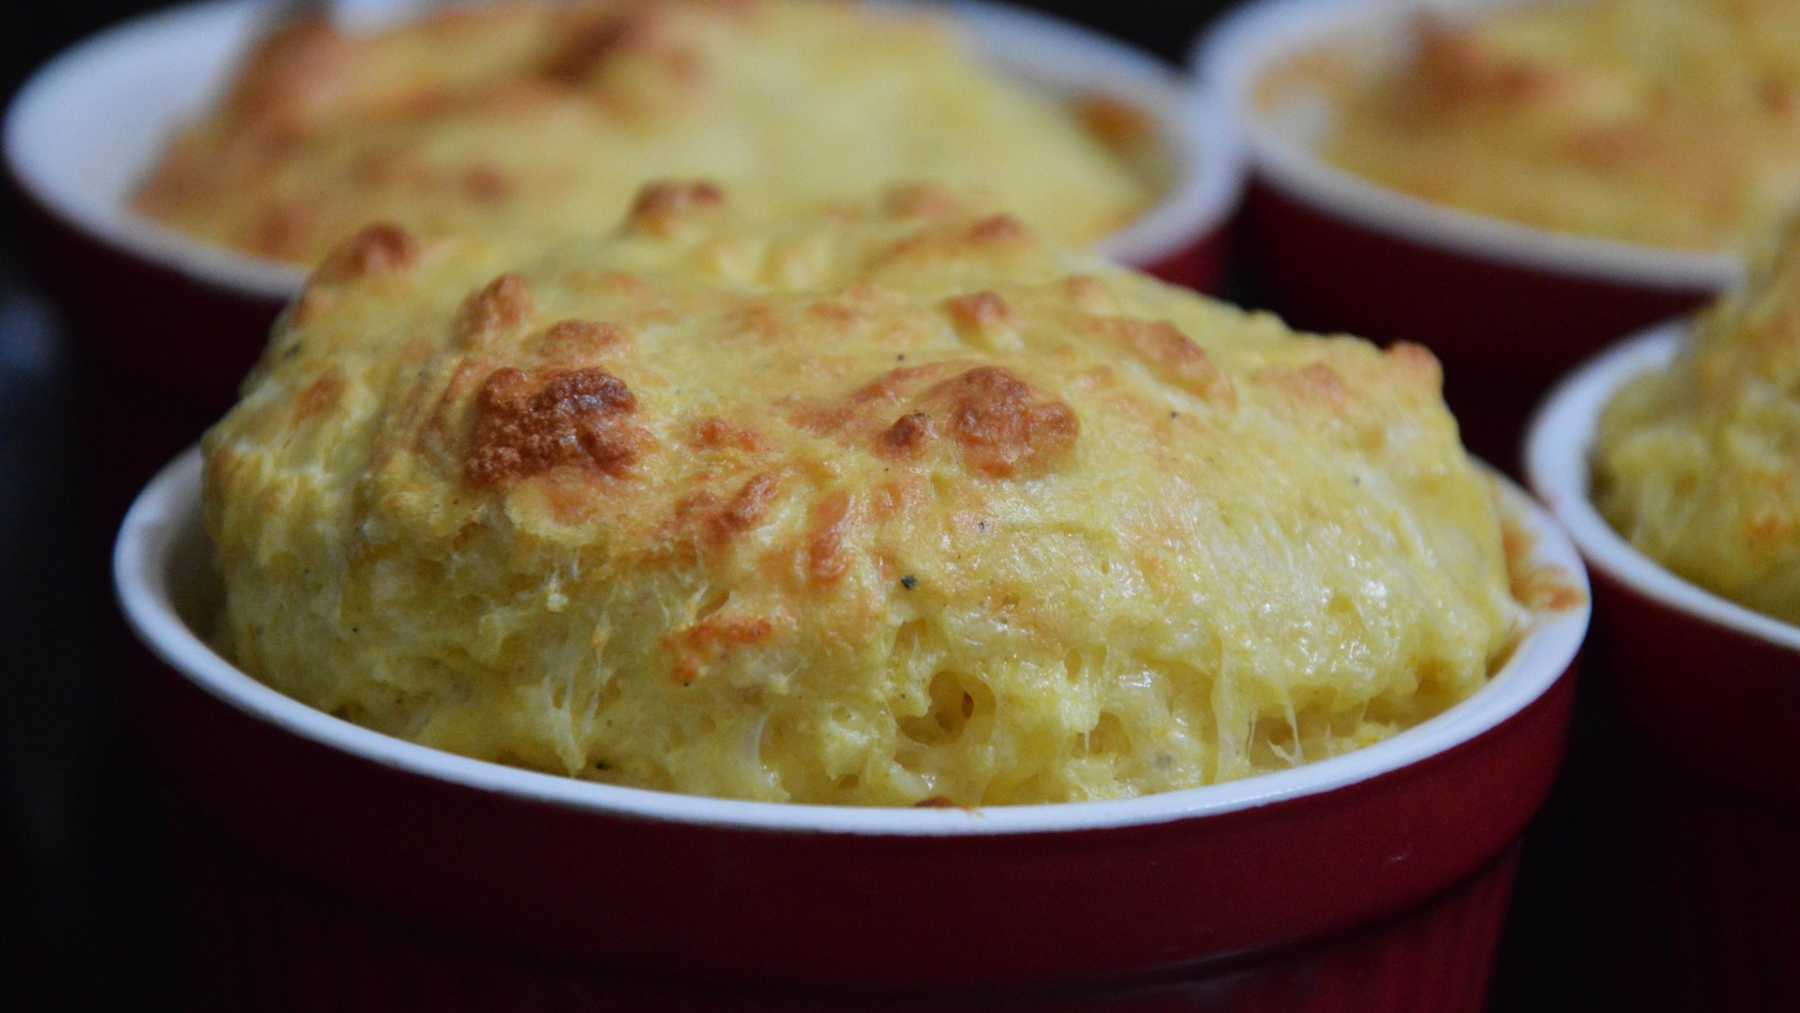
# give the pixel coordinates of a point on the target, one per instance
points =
(832, 520)
(1541, 588)
(661, 207)
(1170, 354)
(1668, 124)
(922, 200)
(320, 396)
(377, 249)
(579, 340)
(501, 308)
(753, 507)
(983, 315)
(714, 433)
(573, 60)
(907, 437)
(290, 78)
(997, 229)
(1698, 465)
(525, 428)
(747, 509)
(1003, 425)
(527, 120)
(1119, 125)
(1314, 385)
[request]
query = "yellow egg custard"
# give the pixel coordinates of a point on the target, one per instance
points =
(532, 121)
(891, 503)
(1669, 123)
(1699, 465)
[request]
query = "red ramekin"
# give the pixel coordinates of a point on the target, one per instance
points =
(1694, 779)
(1376, 880)
(1507, 307)
(167, 325)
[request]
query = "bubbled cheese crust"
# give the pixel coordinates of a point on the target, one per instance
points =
(538, 120)
(1672, 123)
(1699, 465)
(890, 504)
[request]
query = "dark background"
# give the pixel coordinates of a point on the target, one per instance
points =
(83, 878)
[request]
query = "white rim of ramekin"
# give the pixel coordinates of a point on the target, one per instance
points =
(1557, 464)
(168, 511)
(1232, 57)
(1041, 49)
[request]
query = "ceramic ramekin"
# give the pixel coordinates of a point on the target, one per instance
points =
(1378, 876)
(1694, 776)
(169, 325)
(1507, 307)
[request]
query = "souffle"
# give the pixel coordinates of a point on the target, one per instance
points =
(891, 503)
(1699, 465)
(1669, 123)
(537, 120)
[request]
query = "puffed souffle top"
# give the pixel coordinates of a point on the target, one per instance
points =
(1669, 123)
(1698, 465)
(533, 121)
(891, 503)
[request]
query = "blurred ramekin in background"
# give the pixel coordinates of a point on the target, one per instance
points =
(1694, 773)
(1507, 307)
(168, 325)
(1375, 880)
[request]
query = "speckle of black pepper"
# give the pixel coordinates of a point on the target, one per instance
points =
(1174, 415)
(909, 582)
(602, 765)
(356, 629)
(900, 358)
(981, 525)
(292, 350)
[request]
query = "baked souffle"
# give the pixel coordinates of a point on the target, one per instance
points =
(1667, 123)
(1698, 465)
(892, 503)
(537, 120)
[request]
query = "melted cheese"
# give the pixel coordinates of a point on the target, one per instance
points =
(885, 504)
(1699, 465)
(532, 121)
(1672, 123)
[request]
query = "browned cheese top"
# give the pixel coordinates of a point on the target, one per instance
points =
(884, 503)
(527, 120)
(1669, 123)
